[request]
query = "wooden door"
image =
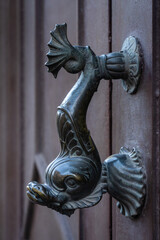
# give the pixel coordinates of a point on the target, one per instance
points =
(132, 118)
(28, 104)
(42, 95)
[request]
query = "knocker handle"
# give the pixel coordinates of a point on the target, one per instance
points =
(77, 178)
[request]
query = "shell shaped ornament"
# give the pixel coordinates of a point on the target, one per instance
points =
(76, 178)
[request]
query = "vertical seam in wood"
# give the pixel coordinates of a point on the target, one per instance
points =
(110, 99)
(29, 213)
(39, 40)
(80, 34)
(21, 110)
(80, 21)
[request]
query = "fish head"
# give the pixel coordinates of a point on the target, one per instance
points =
(67, 180)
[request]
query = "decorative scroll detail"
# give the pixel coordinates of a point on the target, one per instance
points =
(77, 178)
(71, 141)
(67, 135)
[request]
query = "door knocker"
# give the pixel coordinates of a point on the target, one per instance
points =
(77, 178)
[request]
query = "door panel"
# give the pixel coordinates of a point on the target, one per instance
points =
(132, 114)
(94, 30)
(28, 92)
(10, 122)
(42, 95)
(54, 92)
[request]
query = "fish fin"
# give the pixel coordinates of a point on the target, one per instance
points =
(60, 49)
(126, 181)
(94, 197)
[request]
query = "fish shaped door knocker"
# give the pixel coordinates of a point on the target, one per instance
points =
(76, 178)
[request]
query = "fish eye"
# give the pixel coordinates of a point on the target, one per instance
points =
(70, 182)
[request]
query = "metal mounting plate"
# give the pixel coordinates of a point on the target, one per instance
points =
(133, 58)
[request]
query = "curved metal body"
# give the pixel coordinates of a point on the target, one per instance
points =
(76, 178)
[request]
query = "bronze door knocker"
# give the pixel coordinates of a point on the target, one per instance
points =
(77, 178)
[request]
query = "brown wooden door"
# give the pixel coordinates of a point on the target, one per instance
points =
(42, 95)
(29, 97)
(132, 116)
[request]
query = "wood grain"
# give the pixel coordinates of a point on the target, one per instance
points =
(10, 145)
(93, 31)
(132, 114)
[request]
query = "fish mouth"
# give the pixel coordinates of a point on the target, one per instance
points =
(39, 193)
(42, 194)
